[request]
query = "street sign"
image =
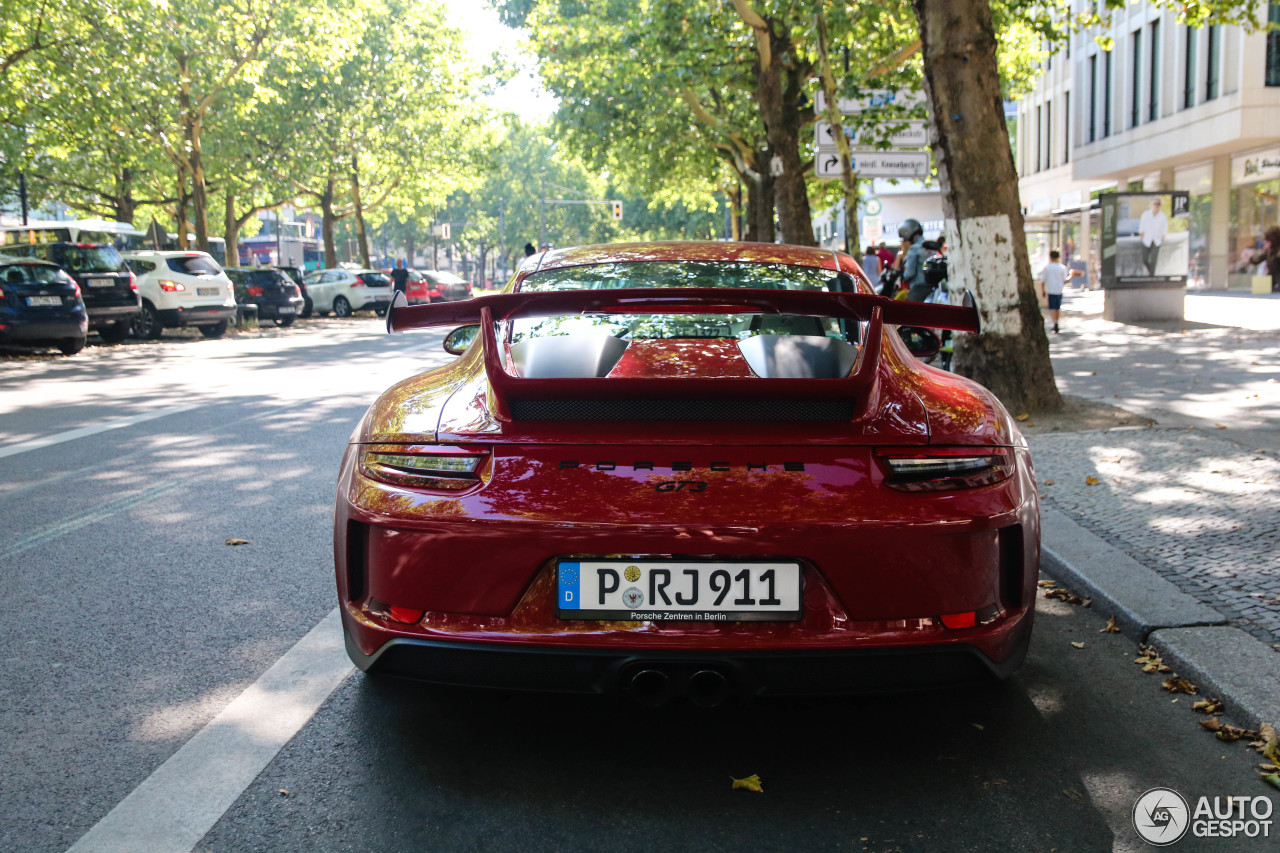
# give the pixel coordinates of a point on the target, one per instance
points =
(874, 100)
(872, 206)
(913, 135)
(872, 228)
(875, 164)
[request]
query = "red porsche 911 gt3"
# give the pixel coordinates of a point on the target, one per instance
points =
(697, 469)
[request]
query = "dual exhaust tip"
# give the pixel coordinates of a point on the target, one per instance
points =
(654, 687)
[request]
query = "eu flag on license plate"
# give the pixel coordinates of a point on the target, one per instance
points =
(569, 586)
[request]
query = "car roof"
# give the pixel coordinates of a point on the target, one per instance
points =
(681, 250)
(10, 260)
(164, 253)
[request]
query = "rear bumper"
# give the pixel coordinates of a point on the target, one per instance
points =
(273, 311)
(42, 330)
(197, 315)
(111, 314)
(797, 672)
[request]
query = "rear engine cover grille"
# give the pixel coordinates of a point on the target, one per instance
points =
(682, 410)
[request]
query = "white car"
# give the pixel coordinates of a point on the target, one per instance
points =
(181, 289)
(346, 291)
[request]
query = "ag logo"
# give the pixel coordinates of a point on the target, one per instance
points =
(1161, 816)
(632, 573)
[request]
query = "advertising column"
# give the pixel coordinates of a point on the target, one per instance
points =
(1146, 251)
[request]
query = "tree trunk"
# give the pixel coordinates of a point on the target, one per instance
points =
(760, 209)
(123, 204)
(776, 92)
(181, 209)
(735, 212)
(231, 226)
(327, 221)
(199, 198)
(410, 245)
(847, 179)
(362, 236)
(986, 244)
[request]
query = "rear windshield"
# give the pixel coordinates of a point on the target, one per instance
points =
(194, 265)
(88, 258)
(375, 279)
(274, 277)
(676, 274)
(31, 274)
(444, 278)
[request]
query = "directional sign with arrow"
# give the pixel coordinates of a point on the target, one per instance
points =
(874, 100)
(913, 134)
(875, 164)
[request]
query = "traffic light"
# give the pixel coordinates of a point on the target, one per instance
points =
(617, 210)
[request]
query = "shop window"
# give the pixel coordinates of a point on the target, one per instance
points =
(1273, 44)
(1153, 66)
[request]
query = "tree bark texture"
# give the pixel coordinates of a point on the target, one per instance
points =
(362, 237)
(760, 208)
(327, 221)
(124, 206)
(231, 227)
(986, 244)
(180, 209)
(778, 90)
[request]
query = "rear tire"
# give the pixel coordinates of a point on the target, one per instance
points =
(115, 333)
(146, 323)
(217, 330)
(341, 307)
(284, 321)
(71, 346)
(308, 308)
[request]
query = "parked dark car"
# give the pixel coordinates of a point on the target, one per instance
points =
(277, 296)
(452, 288)
(298, 274)
(40, 305)
(107, 286)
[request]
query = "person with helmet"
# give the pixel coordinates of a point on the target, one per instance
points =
(918, 288)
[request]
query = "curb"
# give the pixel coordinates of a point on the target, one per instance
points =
(1192, 637)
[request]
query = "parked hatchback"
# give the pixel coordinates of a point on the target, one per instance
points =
(346, 291)
(298, 275)
(109, 289)
(275, 294)
(451, 287)
(40, 305)
(181, 289)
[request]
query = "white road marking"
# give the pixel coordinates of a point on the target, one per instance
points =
(104, 511)
(73, 434)
(180, 802)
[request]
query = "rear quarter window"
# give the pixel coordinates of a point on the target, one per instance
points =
(194, 265)
(375, 279)
(141, 267)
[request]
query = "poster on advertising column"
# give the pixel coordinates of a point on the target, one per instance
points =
(1146, 239)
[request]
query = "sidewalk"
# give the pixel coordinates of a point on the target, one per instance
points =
(1182, 527)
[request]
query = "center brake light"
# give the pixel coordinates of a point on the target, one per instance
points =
(424, 466)
(939, 469)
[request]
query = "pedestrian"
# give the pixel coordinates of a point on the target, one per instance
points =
(400, 278)
(886, 256)
(529, 250)
(1153, 227)
(1270, 255)
(872, 265)
(1054, 276)
(912, 234)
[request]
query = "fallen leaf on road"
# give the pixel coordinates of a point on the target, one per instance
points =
(1073, 795)
(1270, 743)
(237, 541)
(1048, 482)
(283, 792)
(1091, 480)
(751, 783)
(1219, 426)
(1063, 594)
(1273, 780)
(1179, 685)
(1047, 583)
(977, 726)
(1150, 661)
(1111, 627)
(1023, 416)
(1208, 706)
(1078, 645)
(1224, 732)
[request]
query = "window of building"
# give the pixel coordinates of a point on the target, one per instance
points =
(1048, 134)
(1066, 122)
(1106, 95)
(1211, 60)
(1189, 71)
(1273, 44)
(1093, 97)
(1036, 155)
(1135, 85)
(1153, 70)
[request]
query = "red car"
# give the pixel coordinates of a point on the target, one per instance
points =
(419, 290)
(698, 469)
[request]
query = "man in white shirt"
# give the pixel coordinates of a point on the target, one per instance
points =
(1055, 277)
(1153, 227)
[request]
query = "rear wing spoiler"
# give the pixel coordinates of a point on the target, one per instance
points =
(859, 387)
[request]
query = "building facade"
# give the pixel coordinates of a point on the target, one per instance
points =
(1168, 107)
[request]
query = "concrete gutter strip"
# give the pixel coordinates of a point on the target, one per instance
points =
(1191, 637)
(1141, 600)
(1228, 663)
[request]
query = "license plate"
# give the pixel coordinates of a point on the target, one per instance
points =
(102, 282)
(285, 309)
(208, 291)
(382, 297)
(667, 591)
(44, 300)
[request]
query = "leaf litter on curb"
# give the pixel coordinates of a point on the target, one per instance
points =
(751, 783)
(1150, 660)
(1208, 706)
(1111, 627)
(1179, 685)
(1063, 594)
(237, 541)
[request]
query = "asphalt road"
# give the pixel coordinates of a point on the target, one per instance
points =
(128, 626)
